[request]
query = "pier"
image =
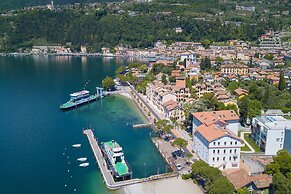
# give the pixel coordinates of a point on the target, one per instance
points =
(108, 178)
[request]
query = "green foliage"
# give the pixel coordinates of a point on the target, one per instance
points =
(205, 64)
(104, 26)
(172, 79)
(243, 191)
(120, 69)
(164, 79)
(233, 86)
(216, 183)
(282, 83)
(161, 68)
(122, 78)
(108, 83)
(162, 123)
(206, 43)
(186, 176)
(167, 128)
(252, 143)
(281, 171)
(221, 186)
(179, 142)
(269, 57)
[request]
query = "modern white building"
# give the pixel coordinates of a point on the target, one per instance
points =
(215, 138)
(269, 133)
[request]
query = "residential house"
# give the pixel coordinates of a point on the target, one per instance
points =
(240, 93)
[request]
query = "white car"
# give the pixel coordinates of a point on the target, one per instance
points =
(178, 166)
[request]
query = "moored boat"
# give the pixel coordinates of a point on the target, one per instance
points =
(81, 159)
(115, 159)
(76, 145)
(84, 164)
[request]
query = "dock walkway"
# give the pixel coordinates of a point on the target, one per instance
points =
(108, 179)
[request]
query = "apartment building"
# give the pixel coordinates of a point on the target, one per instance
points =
(269, 133)
(234, 69)
(215, 138)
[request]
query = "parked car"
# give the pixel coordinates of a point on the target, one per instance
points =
(179, 166)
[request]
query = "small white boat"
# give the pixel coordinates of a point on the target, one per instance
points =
(84, 164)
(76, 145)
(82, 159)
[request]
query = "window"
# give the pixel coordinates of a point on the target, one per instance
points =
(214, 143)
(234, 150)
(231, 143)
(282, 134)
(218, 151)
(277, 139)
(230, 151)
(213, 159)
(214, 151)
(281, 139)
(224, 151)
(280, 145)
(218, 143)
(235, 143)
(223, 158)
(217, 158)
(229, 158)
(224, 143)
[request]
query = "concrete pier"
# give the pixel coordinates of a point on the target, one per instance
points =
(108, 179)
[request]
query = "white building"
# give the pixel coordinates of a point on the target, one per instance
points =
(189, 57)
(269, 133)
(215, 138)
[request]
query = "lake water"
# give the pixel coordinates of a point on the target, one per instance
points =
(36, 137)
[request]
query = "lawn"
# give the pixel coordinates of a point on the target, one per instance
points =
(252, 143)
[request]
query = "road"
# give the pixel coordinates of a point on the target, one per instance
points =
(145, 103)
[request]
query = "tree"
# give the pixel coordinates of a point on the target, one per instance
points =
(243, 191)
(108, 83)
(143, 68)
(269, 57)
(167, 128)
(206, 43)
(282, 83)
(205, 64)
(254, 108)
(221, 186)
(162, 123)
(122, 78)
(243, 109)
(219, 60)
(233, 86)
(179, 142)
(120, 70)
(164, 79)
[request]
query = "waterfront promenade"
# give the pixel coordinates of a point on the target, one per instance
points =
(108, 178)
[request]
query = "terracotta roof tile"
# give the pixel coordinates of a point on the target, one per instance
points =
(209, 118)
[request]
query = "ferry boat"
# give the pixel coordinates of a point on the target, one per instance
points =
(116, 161)
(79, 98)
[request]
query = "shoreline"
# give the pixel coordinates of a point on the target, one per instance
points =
(169, 186)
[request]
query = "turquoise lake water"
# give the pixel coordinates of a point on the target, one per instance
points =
(36, 137)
